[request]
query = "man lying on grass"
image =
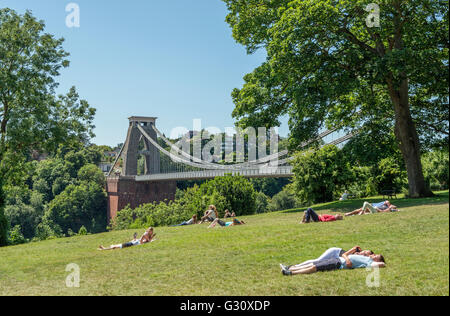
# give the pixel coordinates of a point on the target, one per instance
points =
(147, 237)
(311, 216)
(351, 259)
(382, 207)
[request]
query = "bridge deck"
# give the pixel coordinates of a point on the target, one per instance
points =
(270, 172)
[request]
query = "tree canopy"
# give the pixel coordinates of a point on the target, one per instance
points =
(327, 67)
(32, 117)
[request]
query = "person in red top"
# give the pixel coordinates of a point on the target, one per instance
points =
(311, 216)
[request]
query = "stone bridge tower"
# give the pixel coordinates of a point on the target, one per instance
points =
(131, 147)
(124, 190)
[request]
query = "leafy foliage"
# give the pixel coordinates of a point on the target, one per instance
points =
(32, 118)
(326, 68)
(321, 175)
(285, 200)
(152, 214)
(78, 205)
(262, 202)
(234, 193)
(269, 186)
(238, 192)
(3, 228)
(390, 175)
(436, 169)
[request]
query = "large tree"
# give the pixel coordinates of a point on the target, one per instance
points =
(31, 116)
(329, 64)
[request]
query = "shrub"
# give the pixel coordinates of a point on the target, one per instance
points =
(436, 169)
(3, 222)
(389, 175)
(46, 231)
(321, 175)
(364, 184)
(284, 200)
(262, 202)
(3, 228)
(82, 205)
(16, 237)
(91, 173)
(238, 192)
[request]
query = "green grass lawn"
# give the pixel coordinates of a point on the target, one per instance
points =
(244, 260)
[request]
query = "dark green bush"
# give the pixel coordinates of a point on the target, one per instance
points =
(321, 175)
(238, 192)
(230, 192)
(79, 205)
(16, 237)
(262, 202)
(284, 200)
(390, 175)
(3, 228)
(152, 214)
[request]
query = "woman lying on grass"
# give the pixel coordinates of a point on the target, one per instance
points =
(348, 260)
(235, 222)
(382, 207)
(311, 216)
(147, 237)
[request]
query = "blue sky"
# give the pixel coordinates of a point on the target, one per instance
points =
(174, 59)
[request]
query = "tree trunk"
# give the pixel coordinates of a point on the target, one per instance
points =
(406, 134)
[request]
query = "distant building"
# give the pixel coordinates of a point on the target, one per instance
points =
(105, 166)
(112, 154)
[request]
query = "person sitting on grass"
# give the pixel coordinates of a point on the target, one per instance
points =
(349, 260)
(332, 253)
(382, 207)
(311, 216)
(228, 214)
(210, 215)
(235, 222)
(192, 221)
(344, 196)
(147, 237)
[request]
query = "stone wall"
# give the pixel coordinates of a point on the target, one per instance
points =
(125, 190)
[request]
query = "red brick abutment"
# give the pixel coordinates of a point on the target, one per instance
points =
(123, 191)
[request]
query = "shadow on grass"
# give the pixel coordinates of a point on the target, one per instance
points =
(351, 205)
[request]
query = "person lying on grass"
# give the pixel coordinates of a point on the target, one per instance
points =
(311, 216)
(210, 215)
(382, 207)
(192, 221)
(147, 237)
(235, 222)
(332, 253)
(349, 260)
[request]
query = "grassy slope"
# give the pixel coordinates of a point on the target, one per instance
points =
(244, 260)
